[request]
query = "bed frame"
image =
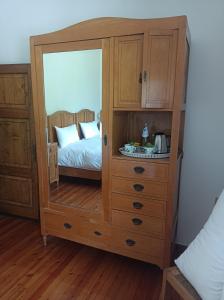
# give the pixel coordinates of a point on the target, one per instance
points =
(63, 119)
(176, 287)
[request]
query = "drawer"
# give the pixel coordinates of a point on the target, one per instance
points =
(139, 187)
(100, 233)
(139, 223)
(59, 224)
(136, 169)
(77, 229)
(137, 204)
(131, 243)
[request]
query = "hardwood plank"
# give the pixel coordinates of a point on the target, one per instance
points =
(74, 192)
(66, 270)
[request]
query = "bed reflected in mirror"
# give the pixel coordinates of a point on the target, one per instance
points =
(73, 103)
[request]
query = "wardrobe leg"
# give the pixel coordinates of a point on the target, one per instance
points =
(45, 240)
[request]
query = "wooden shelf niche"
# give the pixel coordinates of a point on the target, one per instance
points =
(128, 125)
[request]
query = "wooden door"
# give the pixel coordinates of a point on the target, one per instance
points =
(159, 61)
(18, 172)
(128, 57)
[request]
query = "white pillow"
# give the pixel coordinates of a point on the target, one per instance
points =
(203, 261)
(89, 129)
(67, 135)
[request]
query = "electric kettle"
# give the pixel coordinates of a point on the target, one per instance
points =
(160, 143)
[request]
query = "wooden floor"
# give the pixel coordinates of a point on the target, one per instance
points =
(66, 270)
(79, 193)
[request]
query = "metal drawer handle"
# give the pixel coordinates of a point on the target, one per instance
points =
(130, 242)
(137, 221)
(139, 170)
(138, 187)
(67, 226)
(137, 205)
(97, 233)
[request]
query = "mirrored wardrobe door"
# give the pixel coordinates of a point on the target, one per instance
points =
(75, 95)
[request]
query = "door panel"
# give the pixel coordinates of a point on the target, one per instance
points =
(16, 191)
(159, 68)
(128, 71)
(13, 91)
(18, 173)
(15, 150)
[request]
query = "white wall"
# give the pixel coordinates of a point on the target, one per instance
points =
(73, 81)
(203, 164)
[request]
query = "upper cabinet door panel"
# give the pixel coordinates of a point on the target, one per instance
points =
(14, 91)
(128, 58)
(160, 49)
(15, 146)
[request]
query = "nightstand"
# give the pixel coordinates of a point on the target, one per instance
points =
(53, 162)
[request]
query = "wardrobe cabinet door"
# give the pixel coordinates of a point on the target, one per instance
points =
(18, 171)
(128, 56)
(160, 47)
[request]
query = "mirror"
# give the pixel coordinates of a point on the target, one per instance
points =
(73, 104)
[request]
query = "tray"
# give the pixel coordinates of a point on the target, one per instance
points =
(143, 155)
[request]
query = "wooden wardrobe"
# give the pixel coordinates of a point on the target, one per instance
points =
(144, 80)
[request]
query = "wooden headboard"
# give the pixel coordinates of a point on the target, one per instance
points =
(65, 118)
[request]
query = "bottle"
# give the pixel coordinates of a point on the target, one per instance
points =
(145, 135)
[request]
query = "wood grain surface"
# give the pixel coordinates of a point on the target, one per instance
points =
(67, 270)
(76, 192)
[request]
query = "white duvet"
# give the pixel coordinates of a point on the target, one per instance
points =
(84, 154)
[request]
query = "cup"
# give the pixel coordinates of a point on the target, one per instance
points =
(149, 150)
(129, 148)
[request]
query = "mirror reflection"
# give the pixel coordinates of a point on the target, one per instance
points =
(73, 102)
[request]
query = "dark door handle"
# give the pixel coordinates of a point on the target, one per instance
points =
(140, 78)
(97, 233)
(67, 226)
(137, 221)
(137, 205)
(105, 139)
(130, 242)
(139, 170)
(138, 187)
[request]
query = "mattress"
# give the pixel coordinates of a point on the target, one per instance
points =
(84, 154)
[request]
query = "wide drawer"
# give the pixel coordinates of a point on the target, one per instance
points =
(139, 187)
(138, 204)
(136, 169)
(139, 223)
(132, 242)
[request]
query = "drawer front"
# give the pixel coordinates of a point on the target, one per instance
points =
(57, 223)
(135, 243)
(77, 229)
(135, 169)
(139, 187)
(139, 223)
(137, 204)
(99, 233)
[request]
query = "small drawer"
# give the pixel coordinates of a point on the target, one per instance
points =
(139, 223)
(132, 242)
(138, 169)
(139, 187)
(61, 225)
(137, 204)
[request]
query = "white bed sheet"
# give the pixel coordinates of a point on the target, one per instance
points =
(84, 154)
